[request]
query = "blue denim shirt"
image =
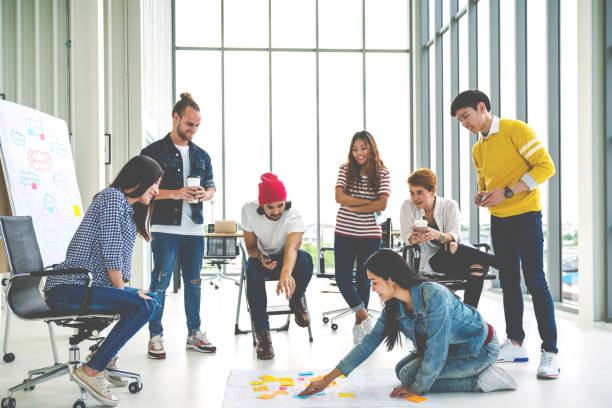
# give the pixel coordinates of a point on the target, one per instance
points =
(169, 212)
(441, 327)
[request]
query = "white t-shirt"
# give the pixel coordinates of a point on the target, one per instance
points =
(271, 235)
(187, 227)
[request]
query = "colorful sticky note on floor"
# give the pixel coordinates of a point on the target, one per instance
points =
(266, 396)
(346, 395)
(77, 210)
(268, 378)
(333, 384)
(298, 397)
(285, 379)
(342, 376)
(320, 393)
(262, 388)
(416, 398)
(316, 378)
(281, 392)
(305, 373)
(287, 384)
(257, 383)
(34, 186)
(282, 388)
(301, 379)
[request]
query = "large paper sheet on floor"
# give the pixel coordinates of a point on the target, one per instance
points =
(364, 388)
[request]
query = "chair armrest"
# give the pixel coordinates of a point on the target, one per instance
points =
(322, 261)
(482, 245)
(414, 247)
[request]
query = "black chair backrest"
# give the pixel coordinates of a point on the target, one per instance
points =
(386, 233)
(24, 296)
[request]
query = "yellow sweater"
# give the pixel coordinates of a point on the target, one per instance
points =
(501, 159)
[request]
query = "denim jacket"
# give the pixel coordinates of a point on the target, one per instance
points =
(169, 212)
(441, 327)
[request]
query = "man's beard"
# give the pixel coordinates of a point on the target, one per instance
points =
(273, 219)
(182, 135)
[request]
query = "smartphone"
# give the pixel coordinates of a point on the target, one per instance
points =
(482, 198)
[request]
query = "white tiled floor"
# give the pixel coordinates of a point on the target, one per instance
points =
(189, 379)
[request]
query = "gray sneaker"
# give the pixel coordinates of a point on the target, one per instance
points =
(98, 386)
(495, 378)
(199, 342)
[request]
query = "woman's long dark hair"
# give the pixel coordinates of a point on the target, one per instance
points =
(374, 163)
(388, 264)
(140, 172)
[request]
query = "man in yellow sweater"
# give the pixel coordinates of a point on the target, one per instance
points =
(510, 163)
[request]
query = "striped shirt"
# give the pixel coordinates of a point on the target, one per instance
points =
(104, 241)
(360, 225)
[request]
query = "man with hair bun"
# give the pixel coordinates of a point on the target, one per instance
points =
(177, 224)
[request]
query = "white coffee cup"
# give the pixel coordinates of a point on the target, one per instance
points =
(420, 223)
(193, 181)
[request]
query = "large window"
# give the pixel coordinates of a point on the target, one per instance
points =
(569, 153)
(276, 95)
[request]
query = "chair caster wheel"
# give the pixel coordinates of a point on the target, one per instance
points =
(8, 357)
(135, 387)
(334, 326)
(216, 286)
(9, 402)
(79, 404)
(212, 283)
(236, 283)
(326, 319)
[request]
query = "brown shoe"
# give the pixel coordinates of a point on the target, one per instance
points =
(264, 346)
(302, 317)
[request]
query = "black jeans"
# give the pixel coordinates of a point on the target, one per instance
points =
(458, 266)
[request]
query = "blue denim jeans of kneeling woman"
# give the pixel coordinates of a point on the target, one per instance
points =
(135, 312)
(457, 375)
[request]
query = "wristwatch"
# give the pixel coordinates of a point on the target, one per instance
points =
(441, 237)
(508, 192)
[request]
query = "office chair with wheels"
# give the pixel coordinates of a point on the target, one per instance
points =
(412, 255)
(273, 310)
(26, 301)
(336, 314)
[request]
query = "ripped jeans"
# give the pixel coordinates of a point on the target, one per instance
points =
(190, 251)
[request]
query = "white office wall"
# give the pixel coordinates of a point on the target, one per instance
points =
(121, 86)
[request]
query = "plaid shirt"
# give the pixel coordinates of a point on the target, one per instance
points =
(104, 241)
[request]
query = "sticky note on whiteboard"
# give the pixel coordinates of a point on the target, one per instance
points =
(77, 210)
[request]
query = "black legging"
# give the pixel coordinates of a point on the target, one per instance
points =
(459, 266)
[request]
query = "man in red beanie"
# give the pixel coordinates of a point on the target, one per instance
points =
(273, 235)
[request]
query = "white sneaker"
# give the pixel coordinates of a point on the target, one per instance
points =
(358, 333)
(549, 365)
(511, 353)
(495, 378)
(156, 348)
(368, 325)
(98, 386)
(199, 342)
(115, 380)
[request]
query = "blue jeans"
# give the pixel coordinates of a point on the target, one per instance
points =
(346, 250)
(190, 251)
(457, 375)
(135, 312)
(519, 240)
(257, 276)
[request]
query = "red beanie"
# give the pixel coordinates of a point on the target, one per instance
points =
(271, 189)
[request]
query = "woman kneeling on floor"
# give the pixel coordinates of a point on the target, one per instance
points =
(455, 348)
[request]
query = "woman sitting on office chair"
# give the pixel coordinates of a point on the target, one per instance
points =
(103, 245)
(439, 235)
(455, 348)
